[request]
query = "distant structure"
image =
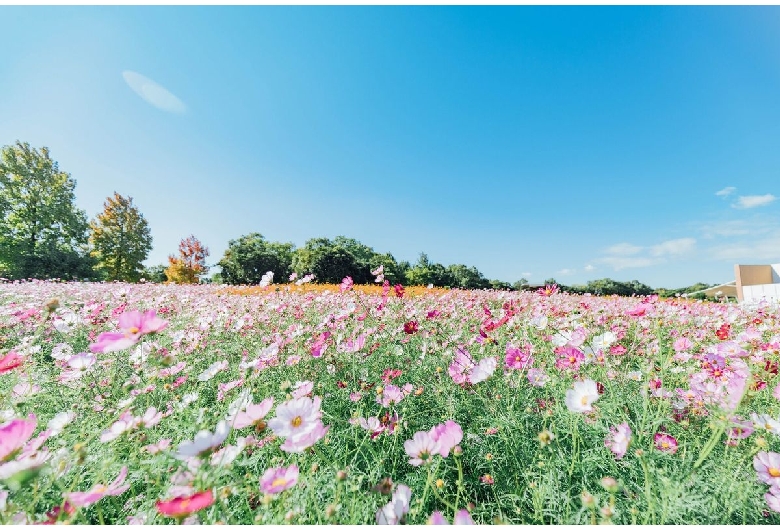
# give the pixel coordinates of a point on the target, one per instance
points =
(724, 291)
(755, 282)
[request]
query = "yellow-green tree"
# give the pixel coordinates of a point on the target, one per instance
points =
(121, 239)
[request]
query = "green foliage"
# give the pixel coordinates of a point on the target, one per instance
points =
(249, 257)
(155, 274)
(121, 239)
(42, 232)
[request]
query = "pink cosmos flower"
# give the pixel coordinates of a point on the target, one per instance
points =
(391, 394)
(254, 414)
(517, 359)
(421, 448)
(682, 344)
(158, 447)
(10, 361)
(14, 434)
(569, 358)
(447, 435)
(776, 392)
(665, 443)
(134, 325)
(767, 466)
(299, 421)
(82, 499)
(462, 517)
(182, 506)
(278, 479)
(302, 388)
(537, 377)
(346, 284)
(772, 498)
(618, 439)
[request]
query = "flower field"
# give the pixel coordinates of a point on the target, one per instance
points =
(158, 404)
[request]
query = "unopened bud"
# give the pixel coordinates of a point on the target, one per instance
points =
(457, 450)
(314, 467)
(588, 500)
(609, 484)
(52, 304)
(330, 511)
(341, 475)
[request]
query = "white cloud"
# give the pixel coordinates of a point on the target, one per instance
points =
(589, 267)
(674, 247)
(753, 201)
(621, 262)
(526, 275)
(725, 192)
(153, 93)
(749, 251)
(624, 249)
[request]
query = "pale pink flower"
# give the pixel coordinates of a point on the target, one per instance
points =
(297, 444)
(158, 447)
(302, 388)
(421, 448)
(296, 417)
(395, 510)
(14, 434)
(462, 517)
(618, 439)
(254, 414)
(150, 418)
(767, 466)
(134, 325)
(447, 435)
(391, 394)
(82, 499)
(278, 479)
(776, 392)
(126, 422)
(537, 377)
(204, 441)
(772, 498)
(582, 396)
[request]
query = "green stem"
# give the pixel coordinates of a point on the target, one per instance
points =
(648, 490)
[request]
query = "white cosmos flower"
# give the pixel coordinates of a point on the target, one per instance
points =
(603, 341)
(765, 421)
(213, 370)
(58, 423)
(204, 441)
(582, 396)
(82, 361)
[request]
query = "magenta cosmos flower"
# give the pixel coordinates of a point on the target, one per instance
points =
(134, 325)
(665, 443)
(767, 465)
(81, 499)
(618, 439)
(14, 434)
(278, 479)
(180, 507)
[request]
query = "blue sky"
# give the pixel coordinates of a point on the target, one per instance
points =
(568, 142)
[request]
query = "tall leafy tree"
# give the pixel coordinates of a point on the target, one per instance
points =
(42, 232)
(190, 265)
(121, 239)
(250, 256)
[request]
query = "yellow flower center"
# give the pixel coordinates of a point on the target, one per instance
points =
(279, 482)
(133, 330)
(665, 444)
(296, 422)
(584, 400)
(572, 359)
(100, 489)
(773, 472)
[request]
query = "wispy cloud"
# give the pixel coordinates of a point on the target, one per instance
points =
(674, 247)
(623, 262)
(753, 201)
(526, 275)
(153, 93)
(629, 256)
(725, 192)
(749, 250)
(589, 268)
(624, 249)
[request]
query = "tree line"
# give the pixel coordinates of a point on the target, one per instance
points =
(44, 235)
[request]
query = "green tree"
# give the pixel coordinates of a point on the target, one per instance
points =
(331, 262)
(249, 257)
(155, 274)
(468, 277)
(42, 232)
(121, 239)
